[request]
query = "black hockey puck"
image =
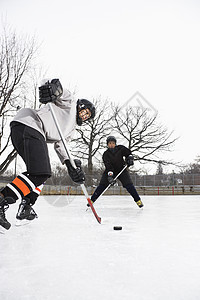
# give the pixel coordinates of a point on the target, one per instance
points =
(117, 227)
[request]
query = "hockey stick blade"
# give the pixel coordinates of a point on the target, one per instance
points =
(93, 210)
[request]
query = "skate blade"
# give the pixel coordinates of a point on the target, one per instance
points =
(23, 222)
(3, 230)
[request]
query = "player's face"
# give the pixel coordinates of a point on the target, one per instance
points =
(85, 114)
(111, 144)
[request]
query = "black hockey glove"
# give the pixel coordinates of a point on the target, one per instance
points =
(129, 160)
(50, 91)
(77, 175)
(110, 178)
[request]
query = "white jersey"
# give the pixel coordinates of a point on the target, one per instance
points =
(42, 121)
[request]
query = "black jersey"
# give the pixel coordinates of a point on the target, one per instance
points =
(114, 158)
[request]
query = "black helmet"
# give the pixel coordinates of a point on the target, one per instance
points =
(83, 104)
(111, 138)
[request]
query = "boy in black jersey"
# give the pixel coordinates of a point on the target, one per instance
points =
(113, 159)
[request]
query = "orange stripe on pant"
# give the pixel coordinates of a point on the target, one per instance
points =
(22, 186)
(38, 189)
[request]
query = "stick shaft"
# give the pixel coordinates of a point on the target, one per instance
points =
(61, 134)
(71, 160)
(114, 179)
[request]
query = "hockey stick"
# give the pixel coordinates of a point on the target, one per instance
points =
(111, 183)
(72, 161)
(114, 180)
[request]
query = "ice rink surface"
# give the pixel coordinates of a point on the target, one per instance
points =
(65, 254)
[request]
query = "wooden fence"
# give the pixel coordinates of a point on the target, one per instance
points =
(119, 190)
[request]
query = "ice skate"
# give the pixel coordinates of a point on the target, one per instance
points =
(25, 213)
(139, 203)
(4, 224)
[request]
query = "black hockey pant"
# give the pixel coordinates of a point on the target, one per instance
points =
(126, 181)
(130, 188)
(31, 146)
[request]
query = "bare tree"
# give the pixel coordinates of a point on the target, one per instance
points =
(16, 55)
(159, 170)
(32, 85)
(91, 135)
(145, 137)
(193, 168)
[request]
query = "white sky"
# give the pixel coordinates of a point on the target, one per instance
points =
(115, 48)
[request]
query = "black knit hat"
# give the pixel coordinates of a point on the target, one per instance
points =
(111, 138)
